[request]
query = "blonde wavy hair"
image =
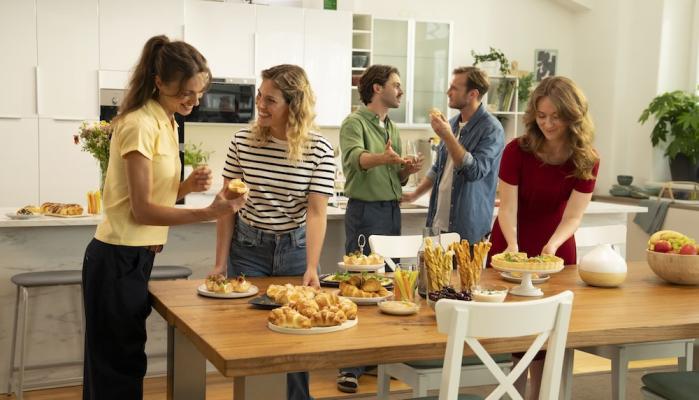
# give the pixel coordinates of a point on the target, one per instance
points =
(297, 92)
(572, 107)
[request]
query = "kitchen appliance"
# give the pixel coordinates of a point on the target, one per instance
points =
(228, 100)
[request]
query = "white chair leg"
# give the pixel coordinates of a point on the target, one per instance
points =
(19, 390)
(420, 389)
(14, 344)
(383, 383)
(566, 391)
(620, 365)
(685, 363)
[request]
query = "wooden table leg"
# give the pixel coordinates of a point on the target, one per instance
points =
(186, 368)
(270, 387)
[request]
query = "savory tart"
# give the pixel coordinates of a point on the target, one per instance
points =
(520, 261)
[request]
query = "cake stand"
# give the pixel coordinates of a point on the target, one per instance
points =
(526, 288)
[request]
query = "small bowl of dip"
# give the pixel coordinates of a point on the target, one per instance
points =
(489, 293)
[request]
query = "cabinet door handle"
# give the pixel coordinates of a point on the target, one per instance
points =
(68, 118)
(10, 117)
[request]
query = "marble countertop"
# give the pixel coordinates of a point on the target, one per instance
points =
(201, 200)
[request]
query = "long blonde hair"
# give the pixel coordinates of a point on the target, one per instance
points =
(292, 81)
(572, 107)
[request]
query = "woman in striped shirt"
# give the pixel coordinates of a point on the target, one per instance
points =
(290, 172)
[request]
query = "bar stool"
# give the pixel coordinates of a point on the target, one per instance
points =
(28, 280)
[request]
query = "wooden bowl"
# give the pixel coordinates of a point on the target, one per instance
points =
(675, 268)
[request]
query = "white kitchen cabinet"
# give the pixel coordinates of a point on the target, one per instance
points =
(126, 25)
(66, 173)
(224, 33)
(19, 162)
(68, 59)
(327, 39)
(279, 37)
(18, 61)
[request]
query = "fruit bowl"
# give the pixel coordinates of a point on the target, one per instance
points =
(675, 268)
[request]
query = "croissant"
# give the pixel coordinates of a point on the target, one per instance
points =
(328, 318)
(286, 317)
(355, 280)
(275, 292)
(326, 299)
(371, 285)
(349, 308)
(305, 307)
(353, 291)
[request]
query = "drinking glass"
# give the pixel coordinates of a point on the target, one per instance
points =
(405, 280)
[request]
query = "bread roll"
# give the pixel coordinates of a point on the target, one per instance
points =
(328, 318)
(435, 112)
(236, 188)
(371, 285)
(289, 318)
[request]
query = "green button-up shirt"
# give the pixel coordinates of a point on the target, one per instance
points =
(361, 132)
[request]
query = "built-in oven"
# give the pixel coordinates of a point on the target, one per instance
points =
(228, 100)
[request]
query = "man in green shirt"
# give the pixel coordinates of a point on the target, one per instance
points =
(374, 171)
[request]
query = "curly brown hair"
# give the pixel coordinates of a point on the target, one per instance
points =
(573, 109)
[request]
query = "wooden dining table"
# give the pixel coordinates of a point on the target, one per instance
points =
(234, 337)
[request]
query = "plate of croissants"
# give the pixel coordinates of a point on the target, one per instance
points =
(220, 287)
(63, 210)
(307, 311)
(363, 290)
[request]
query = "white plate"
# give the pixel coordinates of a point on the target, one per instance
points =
(67, 216)
(365, 300)
(398, 307)
(510, 278)
(21, 216)
(370, 267)
(315, 330)
(232, 295)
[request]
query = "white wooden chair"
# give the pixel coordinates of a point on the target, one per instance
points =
(425, 375)
(470, 321)
(622, 354)
(404, 246)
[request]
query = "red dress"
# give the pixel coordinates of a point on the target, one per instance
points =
(543, 192)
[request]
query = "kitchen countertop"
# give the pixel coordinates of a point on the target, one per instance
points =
(334, 213)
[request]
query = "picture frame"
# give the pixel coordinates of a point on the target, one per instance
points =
(545, 61)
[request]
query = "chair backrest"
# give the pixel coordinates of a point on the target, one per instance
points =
(404, 246)
(465, 321)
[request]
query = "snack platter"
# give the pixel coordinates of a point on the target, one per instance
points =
(366, 300)
(314, 330)
(359, 267)
(16, 216)
(232, 295)
(333, 280)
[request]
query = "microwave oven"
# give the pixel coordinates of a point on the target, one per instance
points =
(228, 100)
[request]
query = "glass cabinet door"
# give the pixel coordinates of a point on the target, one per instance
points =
(431, 69)
(391, 48)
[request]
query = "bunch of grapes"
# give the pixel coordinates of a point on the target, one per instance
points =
(449, 292)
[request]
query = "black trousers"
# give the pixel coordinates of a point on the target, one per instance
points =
(115, 291)
(370, 218)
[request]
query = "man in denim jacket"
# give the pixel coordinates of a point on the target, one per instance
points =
(464, 177)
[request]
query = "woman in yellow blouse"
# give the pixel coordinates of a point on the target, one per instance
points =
(141, 187)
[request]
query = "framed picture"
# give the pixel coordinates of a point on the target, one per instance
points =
(545, 63)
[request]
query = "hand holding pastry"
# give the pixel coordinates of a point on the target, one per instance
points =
(200, 179)
(439, 123)
(221, 205)
(236, 188)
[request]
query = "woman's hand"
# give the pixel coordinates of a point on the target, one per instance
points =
(310, 278)
(221, 205)
(512, 248)
(549, 249)
(218, 270)
(199, 180)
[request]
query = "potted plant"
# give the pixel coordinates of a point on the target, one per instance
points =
(94, 138)
(194, 156)
(495, 56)
(525, 86)
(677, 123)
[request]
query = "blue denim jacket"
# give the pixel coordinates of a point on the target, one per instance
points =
(474, 182)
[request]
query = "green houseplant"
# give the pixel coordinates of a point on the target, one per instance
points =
(195, 155)
(525, 86)
(493, 55)
(95, 138)
(676, 117)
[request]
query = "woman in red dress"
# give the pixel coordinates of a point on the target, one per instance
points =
(546, 181)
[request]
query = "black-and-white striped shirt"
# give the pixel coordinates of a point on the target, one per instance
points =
(279, 189)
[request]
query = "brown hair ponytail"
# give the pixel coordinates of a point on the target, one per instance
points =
(171, 61)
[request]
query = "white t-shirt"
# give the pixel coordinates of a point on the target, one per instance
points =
(441, 217)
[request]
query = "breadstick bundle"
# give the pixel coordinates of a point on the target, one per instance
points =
(439, 266)
(470, 264)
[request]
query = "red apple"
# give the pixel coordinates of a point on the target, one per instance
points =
(688, 250)
(662, 246)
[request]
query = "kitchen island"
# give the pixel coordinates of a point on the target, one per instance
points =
(51, 243)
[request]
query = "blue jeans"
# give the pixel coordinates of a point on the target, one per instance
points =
(259, 253)
(369, 218)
